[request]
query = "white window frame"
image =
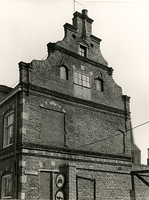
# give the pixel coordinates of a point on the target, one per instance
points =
(8, 129)
(5, 187)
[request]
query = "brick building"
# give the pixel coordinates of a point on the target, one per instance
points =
(65, 129)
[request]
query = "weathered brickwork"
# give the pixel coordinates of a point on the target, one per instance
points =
(59, 123)
(65, 121)
(105, 181)
(49, 69)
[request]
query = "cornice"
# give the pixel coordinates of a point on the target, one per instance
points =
(67, 150)
(12, 93)
(54, 46)
(70, 27)
(75, 99)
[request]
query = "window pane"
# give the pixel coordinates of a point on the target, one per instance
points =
(78, 91)
(63, 73)
(79, 75)
(81, 79)
(75, 74)
(86, 93)
(75, 80)
(80, 82)
(82, 51)
(84, 83)
(8, 129)
(88, 84)
(84, 78)
(99, 85)
(10, 132)
(10, 119)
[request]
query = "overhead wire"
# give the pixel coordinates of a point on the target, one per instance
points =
(114, 135)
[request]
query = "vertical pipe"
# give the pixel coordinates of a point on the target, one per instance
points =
(52, 186)
(65, 143)
(16, 157)
(133, 187)
(94, 189)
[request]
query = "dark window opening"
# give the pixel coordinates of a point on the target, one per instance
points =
(99, 85)
(83, 51)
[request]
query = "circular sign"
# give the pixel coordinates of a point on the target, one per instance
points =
(59, 195)
(60, 180)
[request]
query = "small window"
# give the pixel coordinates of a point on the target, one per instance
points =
(63, 73)
(99, 85)
(83, 51)
(7, 187)
(8, 129)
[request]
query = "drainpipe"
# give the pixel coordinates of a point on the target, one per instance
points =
(16, 156)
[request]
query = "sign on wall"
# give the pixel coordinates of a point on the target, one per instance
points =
(60, 181)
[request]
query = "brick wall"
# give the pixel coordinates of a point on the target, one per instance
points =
(83, 179)
(46, 74)
(54, 122)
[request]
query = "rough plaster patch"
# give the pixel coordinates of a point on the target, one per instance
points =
(25, 115)
(52, 163)
(82, 67)
(22, 130)
(25, 150)
(23, 179)
(22, 163)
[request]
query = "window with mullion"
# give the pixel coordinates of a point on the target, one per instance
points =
(82, 79)
(82, 50)
(8, 129)
(82, 85)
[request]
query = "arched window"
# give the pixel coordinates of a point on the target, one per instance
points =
(99, 85)
(8, 128)
(63, 73)
(6, 187)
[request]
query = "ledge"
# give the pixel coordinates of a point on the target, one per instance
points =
(80, 153)
(70, 27)
(74, 99)
(54, 46)
(95, 39)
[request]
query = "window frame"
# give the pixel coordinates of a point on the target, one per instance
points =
(62, 76)
(3, 188)
(101, 85)
(81, 80)
(82, 50)
(82, 87)
(6, 127)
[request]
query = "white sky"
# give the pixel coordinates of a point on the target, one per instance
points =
(26, 26)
